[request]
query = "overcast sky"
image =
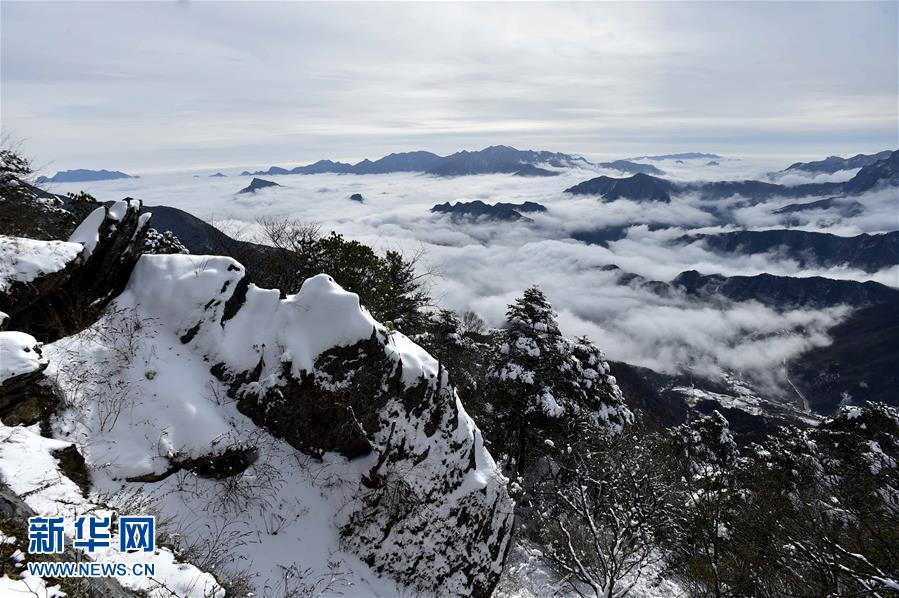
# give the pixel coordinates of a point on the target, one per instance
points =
(144, 86)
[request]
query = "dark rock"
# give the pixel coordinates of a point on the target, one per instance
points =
(65, 302)
(217, 175)
(256, 184)
(426, 531)
(233, 461)
(71, 463)
(357, 197)
(713, 163)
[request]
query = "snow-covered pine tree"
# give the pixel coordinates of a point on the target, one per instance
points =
(541, 384)
(700, 541)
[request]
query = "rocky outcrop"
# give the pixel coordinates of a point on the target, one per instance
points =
(56, 304)
(431, 509)
(21, 370)
(315, 369)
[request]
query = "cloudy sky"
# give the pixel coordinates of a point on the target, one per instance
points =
(146, 86)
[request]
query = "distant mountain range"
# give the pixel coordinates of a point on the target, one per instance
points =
(639, 187)
(81, 176)
(643, 187)
(865, 252)
(490, 160)
(682, 156)
(833, 164)
(632, 167)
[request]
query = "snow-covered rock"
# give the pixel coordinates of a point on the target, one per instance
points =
(21, 366)
(20, 355)
(23, 260)
(191, 365)
(55, 288)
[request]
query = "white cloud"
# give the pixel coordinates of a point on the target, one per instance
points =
(485, 266)
(148, 85)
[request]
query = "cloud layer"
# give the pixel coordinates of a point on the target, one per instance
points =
(484, 266)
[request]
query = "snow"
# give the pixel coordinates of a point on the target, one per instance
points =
(88, 232)
(28, 587)
(118, 210)
(19, 354)
(23, 260)
(149, 360)
(28, 467)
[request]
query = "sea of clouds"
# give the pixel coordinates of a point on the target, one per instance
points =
(483, 266)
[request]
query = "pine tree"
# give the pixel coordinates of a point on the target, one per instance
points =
(701, 540)
(541, 384)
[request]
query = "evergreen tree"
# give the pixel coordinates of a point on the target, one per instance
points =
(701, 540)
(541, 384)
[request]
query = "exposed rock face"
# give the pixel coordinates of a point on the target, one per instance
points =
(64, 301)
(357, 197)
(22, 367)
